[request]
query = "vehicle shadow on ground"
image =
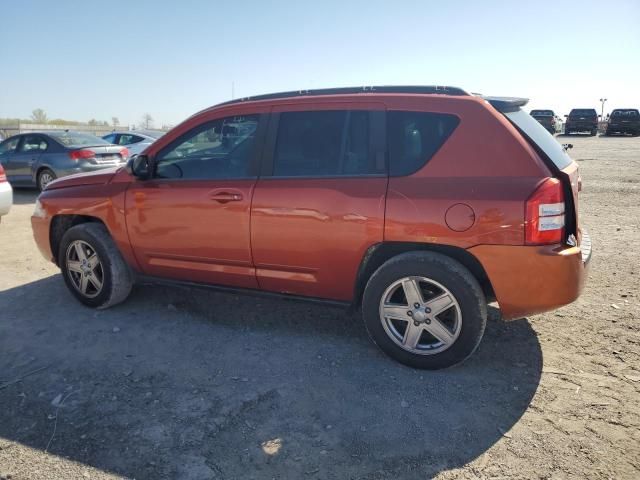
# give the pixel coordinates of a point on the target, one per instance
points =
(188, 383)
(24, 196)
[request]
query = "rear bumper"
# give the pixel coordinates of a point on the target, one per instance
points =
(6, 198)
(612, 127)
(534, 279)
(84, 167)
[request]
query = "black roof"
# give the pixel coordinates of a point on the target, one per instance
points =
(416, 89)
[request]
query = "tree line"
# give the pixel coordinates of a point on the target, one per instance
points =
(39, 116)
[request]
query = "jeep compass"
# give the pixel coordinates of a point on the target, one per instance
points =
(416, 205)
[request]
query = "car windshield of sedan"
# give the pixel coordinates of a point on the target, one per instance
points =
(75, 139)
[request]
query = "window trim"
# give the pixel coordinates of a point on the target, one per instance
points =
(377, 145)
(254, 156)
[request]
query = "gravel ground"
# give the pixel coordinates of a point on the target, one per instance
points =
(190, 384)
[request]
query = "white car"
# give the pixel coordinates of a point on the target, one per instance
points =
(135, 140)
(6, 194)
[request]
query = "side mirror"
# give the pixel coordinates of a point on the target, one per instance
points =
(566, 116)
(139, 166)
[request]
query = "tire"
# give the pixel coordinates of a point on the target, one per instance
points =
(593, 133)
(607, 133)
(438, 276)
(109, 270)
(45, 176)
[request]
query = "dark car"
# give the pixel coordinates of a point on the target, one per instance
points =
(546, 118)
(623, 120)
(418, 205)
(36, 159)
(582, 120)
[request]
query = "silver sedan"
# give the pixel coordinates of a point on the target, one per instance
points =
(135, 140)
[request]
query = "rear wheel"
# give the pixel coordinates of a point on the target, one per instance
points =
(92, 267)
(45, 177)
(424, 310)
(593, 133)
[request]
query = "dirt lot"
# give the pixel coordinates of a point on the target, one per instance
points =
(192, 384)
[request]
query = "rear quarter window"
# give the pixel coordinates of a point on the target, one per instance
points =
(538, 135)
(414, 138)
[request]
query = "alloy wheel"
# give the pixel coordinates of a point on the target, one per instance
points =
(420, 315)
(84, 268)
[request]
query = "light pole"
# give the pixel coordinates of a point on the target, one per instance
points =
(602, 101)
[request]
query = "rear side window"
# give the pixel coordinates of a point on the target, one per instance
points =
(414, 137)
(33, 143)
(128, 139)
(323, 143)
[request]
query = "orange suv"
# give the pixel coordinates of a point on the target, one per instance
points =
(419, 205)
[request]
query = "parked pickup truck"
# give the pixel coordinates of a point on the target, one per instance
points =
(623, 120)
(582, 120)
(547, 119)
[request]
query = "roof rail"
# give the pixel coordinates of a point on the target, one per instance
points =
(417, 89)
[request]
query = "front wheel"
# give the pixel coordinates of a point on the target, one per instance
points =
(425, 310)
(92, 266)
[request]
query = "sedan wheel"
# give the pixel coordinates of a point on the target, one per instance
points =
(45, 177)
(85, 269)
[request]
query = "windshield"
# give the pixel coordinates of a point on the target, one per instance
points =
(541, 137)
(76, 139)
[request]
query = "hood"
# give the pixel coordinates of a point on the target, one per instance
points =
(99, 177)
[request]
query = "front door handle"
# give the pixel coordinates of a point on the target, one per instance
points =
(224, 197)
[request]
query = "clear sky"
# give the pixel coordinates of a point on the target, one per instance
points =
(97, 59)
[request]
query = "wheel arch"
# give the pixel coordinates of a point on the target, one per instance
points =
(379, 253)
(61, 223)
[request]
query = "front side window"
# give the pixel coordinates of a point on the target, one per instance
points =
(9, 146)
(218, 149)
(414, 137)
(323, 143)
(33, 143)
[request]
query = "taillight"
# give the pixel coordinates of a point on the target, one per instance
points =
(81, 154)
(124, 153)
(3, 176)
(545, 214)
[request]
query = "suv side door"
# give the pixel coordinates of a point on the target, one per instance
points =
(190, 221)
(319, 203)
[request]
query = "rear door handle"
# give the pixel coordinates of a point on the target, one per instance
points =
(224, 197)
